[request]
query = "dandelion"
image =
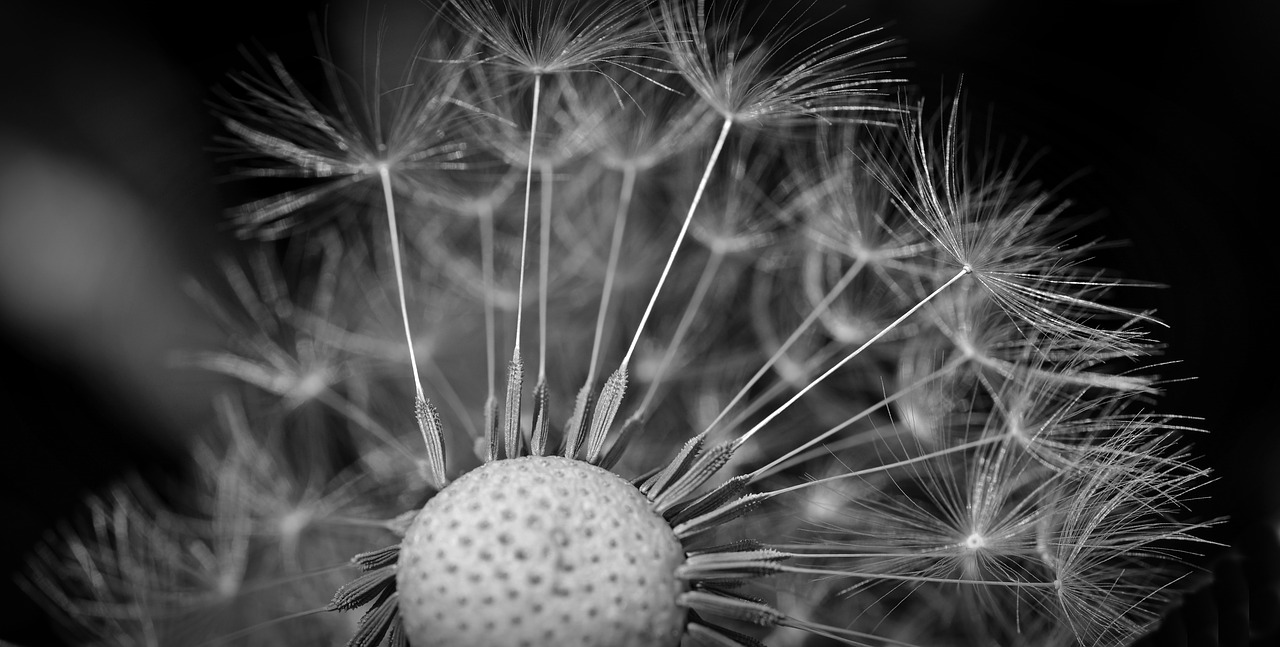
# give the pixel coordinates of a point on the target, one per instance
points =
(883, 403)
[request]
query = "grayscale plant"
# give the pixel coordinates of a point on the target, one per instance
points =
(876, 398)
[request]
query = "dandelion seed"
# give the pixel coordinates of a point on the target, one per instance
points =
(542, 39)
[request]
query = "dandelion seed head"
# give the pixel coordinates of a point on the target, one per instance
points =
(540, 551)
(958, 461)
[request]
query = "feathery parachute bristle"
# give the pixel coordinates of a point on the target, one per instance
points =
(841, 77)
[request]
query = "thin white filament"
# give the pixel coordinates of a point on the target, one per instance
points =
(684, 229)
(831, 572)
(700, 291)
(896, 322)
(544, 254)
(780, 462)
(490, 332)
(611, 271)
(385, 173)
(528, 187)
(981, 442)
(808, 322)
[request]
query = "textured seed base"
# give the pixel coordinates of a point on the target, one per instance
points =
(540, 551)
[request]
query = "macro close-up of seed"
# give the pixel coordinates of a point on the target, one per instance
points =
(626, 324)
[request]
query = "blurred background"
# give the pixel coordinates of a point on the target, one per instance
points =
(1158, 118)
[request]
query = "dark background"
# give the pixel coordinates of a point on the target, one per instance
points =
(1161, 116)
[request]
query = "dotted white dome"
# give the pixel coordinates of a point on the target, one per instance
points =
(540, 551)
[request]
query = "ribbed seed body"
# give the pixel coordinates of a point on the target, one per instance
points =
(540, 551)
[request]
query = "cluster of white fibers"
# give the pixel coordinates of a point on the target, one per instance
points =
(802, 368)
